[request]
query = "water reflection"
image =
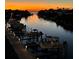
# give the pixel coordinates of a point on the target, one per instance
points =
(50, 28)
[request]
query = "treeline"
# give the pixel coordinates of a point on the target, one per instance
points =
(63, 17)
(16, 14)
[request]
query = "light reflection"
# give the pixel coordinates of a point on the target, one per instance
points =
(26, 46)
(33, 19)
(35, 22)
(23, 21)
(37, 58)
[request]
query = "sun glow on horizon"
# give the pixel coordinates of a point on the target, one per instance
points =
(35, 6)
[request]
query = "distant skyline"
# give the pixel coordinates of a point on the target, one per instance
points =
(35, 5)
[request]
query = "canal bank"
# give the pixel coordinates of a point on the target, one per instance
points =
(21, 52)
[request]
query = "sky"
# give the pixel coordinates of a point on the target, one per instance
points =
(35, 5)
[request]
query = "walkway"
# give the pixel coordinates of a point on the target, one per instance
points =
(20, 50)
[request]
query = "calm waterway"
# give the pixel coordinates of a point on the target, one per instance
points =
(50, 28)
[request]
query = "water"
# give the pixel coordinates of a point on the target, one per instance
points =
(50, 28)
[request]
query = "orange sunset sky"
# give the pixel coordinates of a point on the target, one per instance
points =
(35, 5)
